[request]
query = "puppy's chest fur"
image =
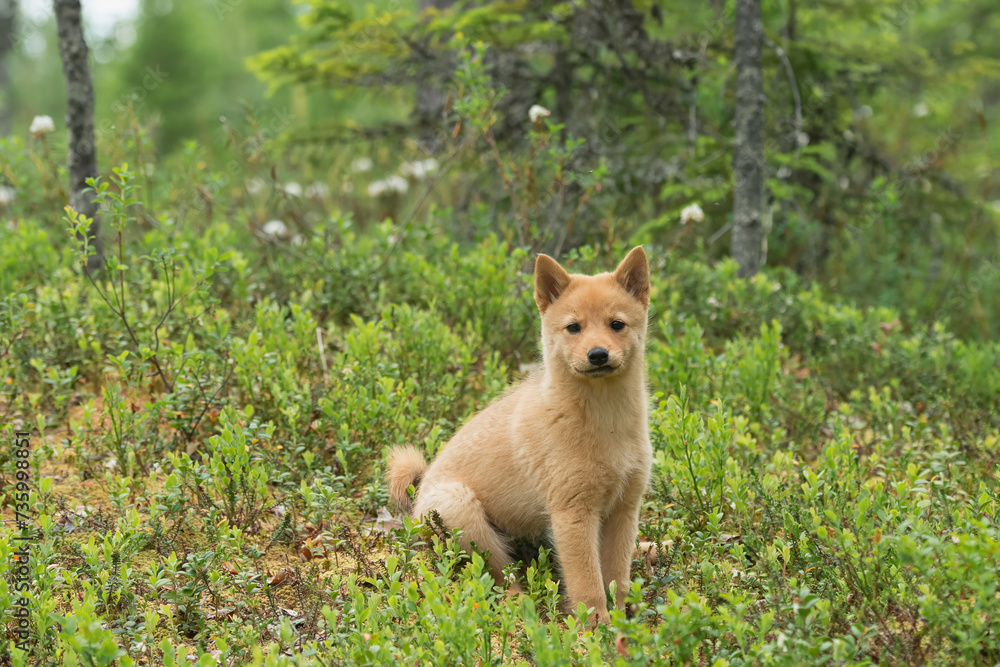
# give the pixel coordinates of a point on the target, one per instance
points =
(595, 460)
(580, 456)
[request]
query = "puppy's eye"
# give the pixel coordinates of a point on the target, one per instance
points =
(573, 328)
(617, 325)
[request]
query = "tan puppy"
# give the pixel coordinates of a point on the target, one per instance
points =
(567, 450)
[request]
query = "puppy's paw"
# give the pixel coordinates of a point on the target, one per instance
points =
(514, 590)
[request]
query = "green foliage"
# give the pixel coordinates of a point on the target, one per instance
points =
(86, 642)
(824, 474)
(209, 427)
(856, 196)
(231, 484)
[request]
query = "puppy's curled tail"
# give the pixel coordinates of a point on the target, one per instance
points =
(406, 466)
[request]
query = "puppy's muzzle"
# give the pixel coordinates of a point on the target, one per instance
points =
(598, 356)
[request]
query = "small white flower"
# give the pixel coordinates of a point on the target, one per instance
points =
(293, 189)
(692, 213)
(713, 302)
(362, 164)
(784, 172)
(848, 135)
(397, 184)
(955, 539)
(920, 110)
(41, 125)
(298, 239)
(538, 111)
(776, 287)
(317, 190)
(418, 169)
(392, 184)
(844, 182)
(255, 185)
(275, 228)
(862, 112)
(7, 195)
(802, 138)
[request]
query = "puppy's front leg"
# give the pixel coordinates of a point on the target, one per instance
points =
(618, 542)
(577, 535)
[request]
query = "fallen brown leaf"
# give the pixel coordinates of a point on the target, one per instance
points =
(280, 577)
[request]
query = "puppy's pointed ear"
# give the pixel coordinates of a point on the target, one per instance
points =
(551, 281)
(633, 275)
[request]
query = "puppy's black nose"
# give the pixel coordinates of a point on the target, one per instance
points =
(598, 356)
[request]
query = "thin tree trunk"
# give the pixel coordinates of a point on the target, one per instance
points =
(79, 119)
(8, 28)
(562, 79)
(748, 162)
(430, 102)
